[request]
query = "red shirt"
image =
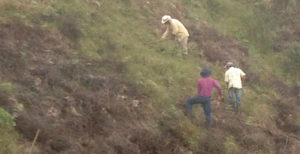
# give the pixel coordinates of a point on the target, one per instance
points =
(205, 86)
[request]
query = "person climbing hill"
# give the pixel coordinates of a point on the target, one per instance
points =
(205, 87)
(234, 78)
(177, 29)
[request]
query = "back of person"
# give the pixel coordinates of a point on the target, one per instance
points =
(233, 77)
(205, 86)
(178, 29)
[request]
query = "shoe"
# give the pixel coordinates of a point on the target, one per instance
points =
(238, 109)
(188, 114)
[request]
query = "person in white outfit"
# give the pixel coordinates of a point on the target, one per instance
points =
(234, 78)
(176, 28)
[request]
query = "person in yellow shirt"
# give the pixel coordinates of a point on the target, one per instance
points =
(234, 77)
(176, 28)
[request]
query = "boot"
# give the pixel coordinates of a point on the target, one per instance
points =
(185, 53)
(238, 108)
(188, 114)
(233, 107)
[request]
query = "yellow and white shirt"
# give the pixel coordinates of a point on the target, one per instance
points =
(177, 29)
(233, 77)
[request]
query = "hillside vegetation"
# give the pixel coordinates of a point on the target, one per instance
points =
(94, 78)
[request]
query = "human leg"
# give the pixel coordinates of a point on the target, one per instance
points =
(238, 95)
(190, 102)
(230, 97)
(238, 98)
(207, 111)
(184, 45)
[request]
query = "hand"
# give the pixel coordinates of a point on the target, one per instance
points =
(220, 98)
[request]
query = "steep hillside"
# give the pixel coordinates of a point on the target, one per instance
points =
(93, 77)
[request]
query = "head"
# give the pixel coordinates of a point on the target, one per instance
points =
(165, 19)
(228, 65)
(205, 72)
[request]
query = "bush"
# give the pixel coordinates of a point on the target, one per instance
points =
(291, 64)
(70, 28)
(7, 133)
(6, 120)
(230, 145)
(6, 87)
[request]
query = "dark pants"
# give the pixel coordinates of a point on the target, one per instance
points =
(205, 102)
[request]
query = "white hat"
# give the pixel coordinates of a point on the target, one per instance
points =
(165, 19)
(228, 64)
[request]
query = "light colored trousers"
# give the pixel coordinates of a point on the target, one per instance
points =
(183, 45)
(238, 95)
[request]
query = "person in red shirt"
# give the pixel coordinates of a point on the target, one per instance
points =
(205, 87)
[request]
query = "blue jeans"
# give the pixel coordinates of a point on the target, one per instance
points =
(205, 102)
(238, 94)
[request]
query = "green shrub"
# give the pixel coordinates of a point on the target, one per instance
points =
(8, 136)
(291, 64)
(230, 145)
(6, 87)
(6, 120)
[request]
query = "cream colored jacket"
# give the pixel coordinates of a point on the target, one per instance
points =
(177, 29)
(233, 77)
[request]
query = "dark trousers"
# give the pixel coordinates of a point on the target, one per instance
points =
(205, 102)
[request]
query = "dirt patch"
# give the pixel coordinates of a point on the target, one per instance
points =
(23, 46)
(288, 116)
(278, 84)
(218, 47)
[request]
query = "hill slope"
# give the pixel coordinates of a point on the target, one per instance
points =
(93, 77)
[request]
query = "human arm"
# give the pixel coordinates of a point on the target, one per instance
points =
(226, 78)
(243, 76)
(217, 85)
(165, 34)
(199, 86)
